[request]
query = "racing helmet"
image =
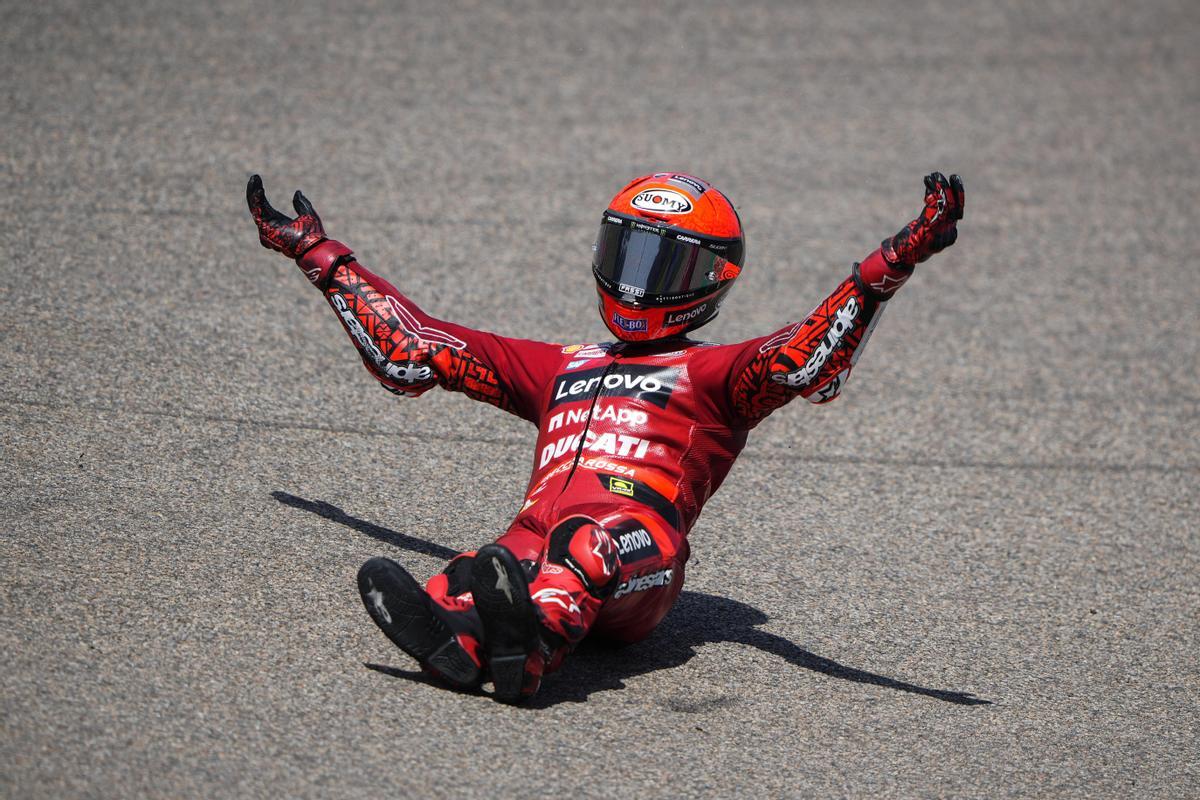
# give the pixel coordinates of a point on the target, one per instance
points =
(669, 249)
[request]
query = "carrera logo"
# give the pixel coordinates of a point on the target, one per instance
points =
(662, 201)
(843, 321)
(680, 317)
(641, 382)
(627, 324)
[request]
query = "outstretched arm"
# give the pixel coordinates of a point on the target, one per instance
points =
(814, 357)
(407, 350)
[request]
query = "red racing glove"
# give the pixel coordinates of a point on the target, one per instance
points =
(936, 228)
(302, 238)
(885, 270)
(292, 237)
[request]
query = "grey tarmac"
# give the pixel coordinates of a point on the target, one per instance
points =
(974, 575)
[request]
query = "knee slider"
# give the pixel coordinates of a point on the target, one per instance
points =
(581, 545)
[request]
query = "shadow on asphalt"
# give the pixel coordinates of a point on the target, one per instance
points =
(696, 619)
(385, 535)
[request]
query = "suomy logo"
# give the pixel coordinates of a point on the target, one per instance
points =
(680, 317)
(662, 201)
(641, 382)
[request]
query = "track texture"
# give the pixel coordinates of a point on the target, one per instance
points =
(1001, 508)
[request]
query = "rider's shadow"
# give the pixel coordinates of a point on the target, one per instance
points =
(696, 619)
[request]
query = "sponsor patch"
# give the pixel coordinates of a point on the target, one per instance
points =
(583, 353)
(640, 583)
(686, 180)
(687, 315)
(620, 486)
(626, 324)
(408, 373)
(643, 494)
(613, 444)
(634, 542)
(843, 322)
(639, 381)
(662, 201)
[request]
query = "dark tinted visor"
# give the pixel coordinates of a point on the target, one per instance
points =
(644, 264)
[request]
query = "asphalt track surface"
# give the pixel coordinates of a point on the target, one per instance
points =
(973, 576)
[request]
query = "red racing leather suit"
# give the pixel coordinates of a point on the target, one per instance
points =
(634, 437)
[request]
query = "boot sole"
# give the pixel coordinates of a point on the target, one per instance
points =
(405, 614)
(501, 594)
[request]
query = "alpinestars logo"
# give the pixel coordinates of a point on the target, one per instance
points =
(404, 372)
(843, 322)
(376, 598)
(640, 583)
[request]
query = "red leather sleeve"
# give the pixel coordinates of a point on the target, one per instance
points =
(410, 352)
(812, 358)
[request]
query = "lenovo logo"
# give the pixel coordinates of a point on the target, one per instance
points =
(652, 384)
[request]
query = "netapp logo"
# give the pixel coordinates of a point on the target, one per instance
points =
(680, 317)
(641, 382)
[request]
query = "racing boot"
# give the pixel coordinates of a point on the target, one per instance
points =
(417, 625)
(511, 641)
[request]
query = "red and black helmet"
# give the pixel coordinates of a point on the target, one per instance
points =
(669, 249)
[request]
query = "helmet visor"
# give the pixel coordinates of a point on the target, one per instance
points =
(643, 264)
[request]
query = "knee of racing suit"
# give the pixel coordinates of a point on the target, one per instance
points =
(583, 546)
(579, 571)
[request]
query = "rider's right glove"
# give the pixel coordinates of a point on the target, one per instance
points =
(302, 238)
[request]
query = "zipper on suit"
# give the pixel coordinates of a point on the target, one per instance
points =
(612, 366)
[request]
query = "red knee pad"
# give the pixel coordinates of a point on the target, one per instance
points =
(581, 545)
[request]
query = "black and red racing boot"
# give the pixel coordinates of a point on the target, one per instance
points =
(511, 641)
(415, 623)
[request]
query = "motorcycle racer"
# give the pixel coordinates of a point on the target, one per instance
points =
(634, 435)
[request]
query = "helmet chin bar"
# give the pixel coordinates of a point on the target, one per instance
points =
(651, 323)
